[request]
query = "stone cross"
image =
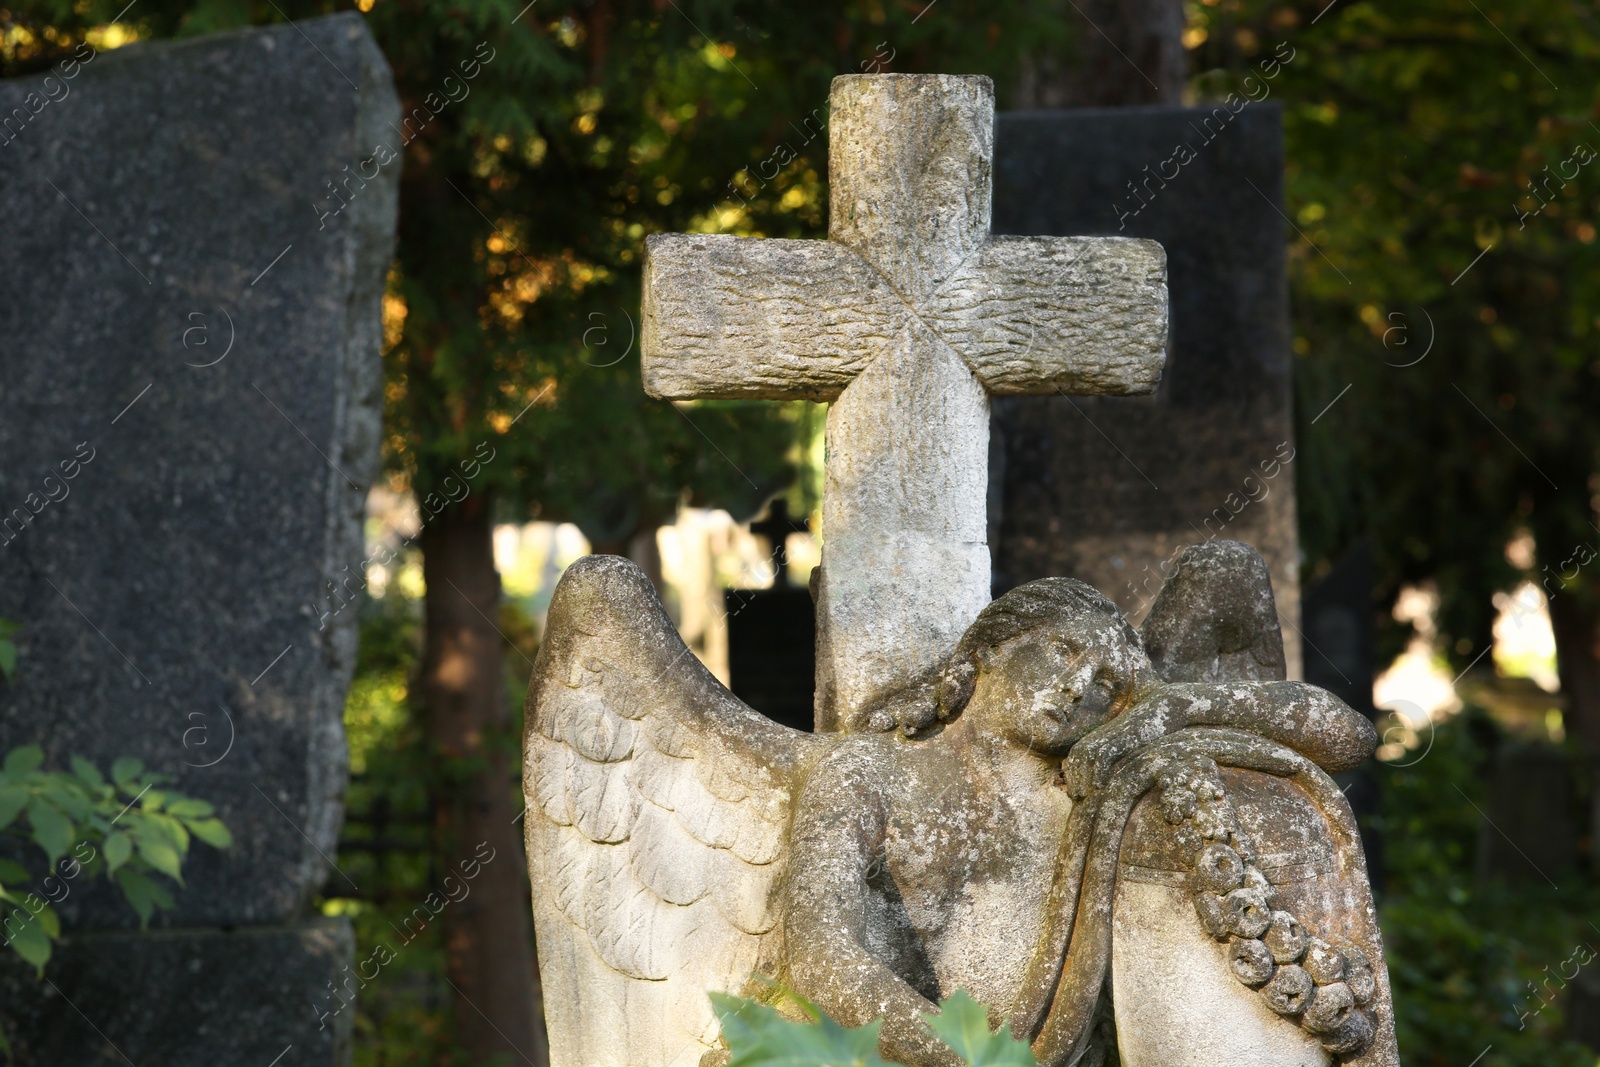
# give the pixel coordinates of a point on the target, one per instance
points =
(907, 319)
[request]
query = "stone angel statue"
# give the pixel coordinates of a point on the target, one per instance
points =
(1127, 845)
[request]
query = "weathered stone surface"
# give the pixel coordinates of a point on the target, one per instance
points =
(1106, 489)
(907, 319)
(982, 837)
(184, 999)
(182, 301)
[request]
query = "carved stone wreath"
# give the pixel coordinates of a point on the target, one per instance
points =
(1324, 987)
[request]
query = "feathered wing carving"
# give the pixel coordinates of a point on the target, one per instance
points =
(657, 826)
(1215, 619)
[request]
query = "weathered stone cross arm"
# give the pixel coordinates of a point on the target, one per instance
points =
(906, 319)
(764, 319)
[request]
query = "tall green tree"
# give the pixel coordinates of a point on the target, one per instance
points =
(1443, 186)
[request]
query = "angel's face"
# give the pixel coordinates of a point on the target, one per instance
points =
(1048, 687)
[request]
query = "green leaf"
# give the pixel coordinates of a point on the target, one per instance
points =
(963, 1024)
(52, 831)
(162, 856)
(9, 627)
(124, 772)
(27, 938)
(24, 759)
(189, 808)
(143, 892)
(46, 917)
(88, 773)
(212, 832)
(66, 794)
(8, 658)
(118, 848)
(13, 872)
(12, 800)
(757, 1036)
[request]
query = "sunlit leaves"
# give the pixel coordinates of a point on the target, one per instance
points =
(963, 1024)
(759, 1035)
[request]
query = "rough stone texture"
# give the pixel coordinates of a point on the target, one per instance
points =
(678, 840)
(196, 546)
(189, 320)
(907, 319)
(183, 999)
(1105, 489)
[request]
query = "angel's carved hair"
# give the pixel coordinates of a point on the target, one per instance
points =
(944, 694)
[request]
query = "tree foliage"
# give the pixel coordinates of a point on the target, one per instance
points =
(1413, 132)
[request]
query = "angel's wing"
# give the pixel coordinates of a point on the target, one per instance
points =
(1215, 619)
(658, 815)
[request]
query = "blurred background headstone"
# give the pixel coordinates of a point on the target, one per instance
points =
(772, 632)
(1106, 489)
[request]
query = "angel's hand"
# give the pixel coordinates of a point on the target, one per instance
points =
(1089, 765)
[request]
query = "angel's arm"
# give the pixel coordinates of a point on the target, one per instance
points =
(1309, 720)
(837, 841)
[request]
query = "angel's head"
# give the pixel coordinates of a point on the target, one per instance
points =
(1041, 666)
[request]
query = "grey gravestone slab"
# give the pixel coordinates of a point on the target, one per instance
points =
(212, 999)
(165, 201)
(191, 332)
(1105, 489)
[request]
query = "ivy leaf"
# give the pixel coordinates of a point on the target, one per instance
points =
(124, 772)
(13, 872)
(212, 832)
(963, 1024)
(757, 1036)
(143, 892)
(52, 831)
(27, 938)
(118, 849)
(24, 759)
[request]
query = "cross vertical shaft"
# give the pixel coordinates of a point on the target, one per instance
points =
(905, 558)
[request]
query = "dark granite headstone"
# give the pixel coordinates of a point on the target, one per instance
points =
(1105, 489)
(191, 328)
(1337, 630)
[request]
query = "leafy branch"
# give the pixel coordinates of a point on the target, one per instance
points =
(758, 1035)
(125, 828)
